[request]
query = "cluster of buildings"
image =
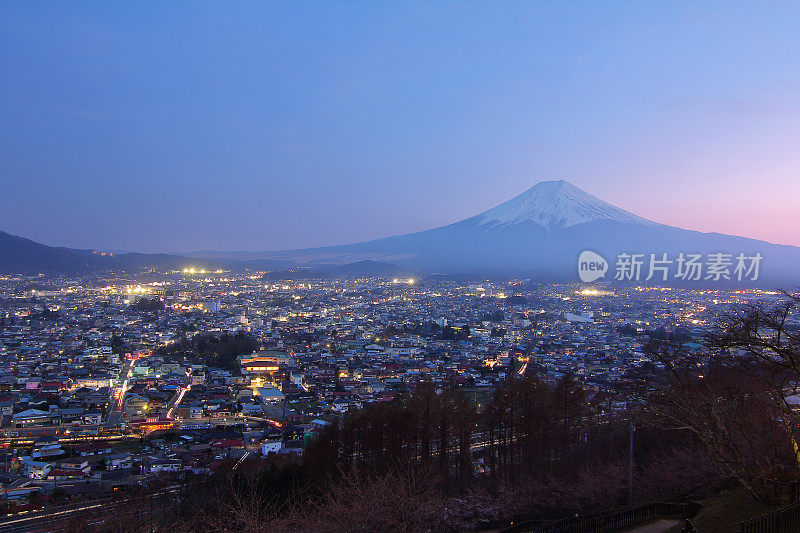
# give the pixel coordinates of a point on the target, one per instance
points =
(106, 381)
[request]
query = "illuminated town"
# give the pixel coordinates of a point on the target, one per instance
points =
(115, 380)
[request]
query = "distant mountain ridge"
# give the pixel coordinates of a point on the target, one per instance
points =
(539, 233)
(19, 255)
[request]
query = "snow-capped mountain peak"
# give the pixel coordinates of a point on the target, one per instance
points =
(555, 204)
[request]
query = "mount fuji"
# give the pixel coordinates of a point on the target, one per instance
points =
(539, 233)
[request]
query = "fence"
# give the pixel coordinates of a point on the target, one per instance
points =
(786, 520)
(613, 521)
(628, 517)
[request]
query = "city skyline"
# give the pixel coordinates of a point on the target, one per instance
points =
(262, 128)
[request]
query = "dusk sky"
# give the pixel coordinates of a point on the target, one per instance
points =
(169, 126)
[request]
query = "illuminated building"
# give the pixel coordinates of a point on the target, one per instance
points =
(263, 363)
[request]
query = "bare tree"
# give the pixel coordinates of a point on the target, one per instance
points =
(732, 413)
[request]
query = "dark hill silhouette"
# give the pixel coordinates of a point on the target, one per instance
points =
(24, 256)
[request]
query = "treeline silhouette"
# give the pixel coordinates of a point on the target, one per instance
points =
(147, 305)
(215, 350)
(435, 459)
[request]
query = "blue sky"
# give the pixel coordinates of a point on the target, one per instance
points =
(175, 126)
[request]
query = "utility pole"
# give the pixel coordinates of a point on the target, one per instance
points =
(630, 469)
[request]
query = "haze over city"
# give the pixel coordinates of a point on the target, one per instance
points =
(264, 126)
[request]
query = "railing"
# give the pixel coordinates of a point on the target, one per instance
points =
(786, 520)
(627, 517)
(613, 521)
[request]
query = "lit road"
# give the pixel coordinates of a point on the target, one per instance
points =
(115, 414)
(176, 400)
